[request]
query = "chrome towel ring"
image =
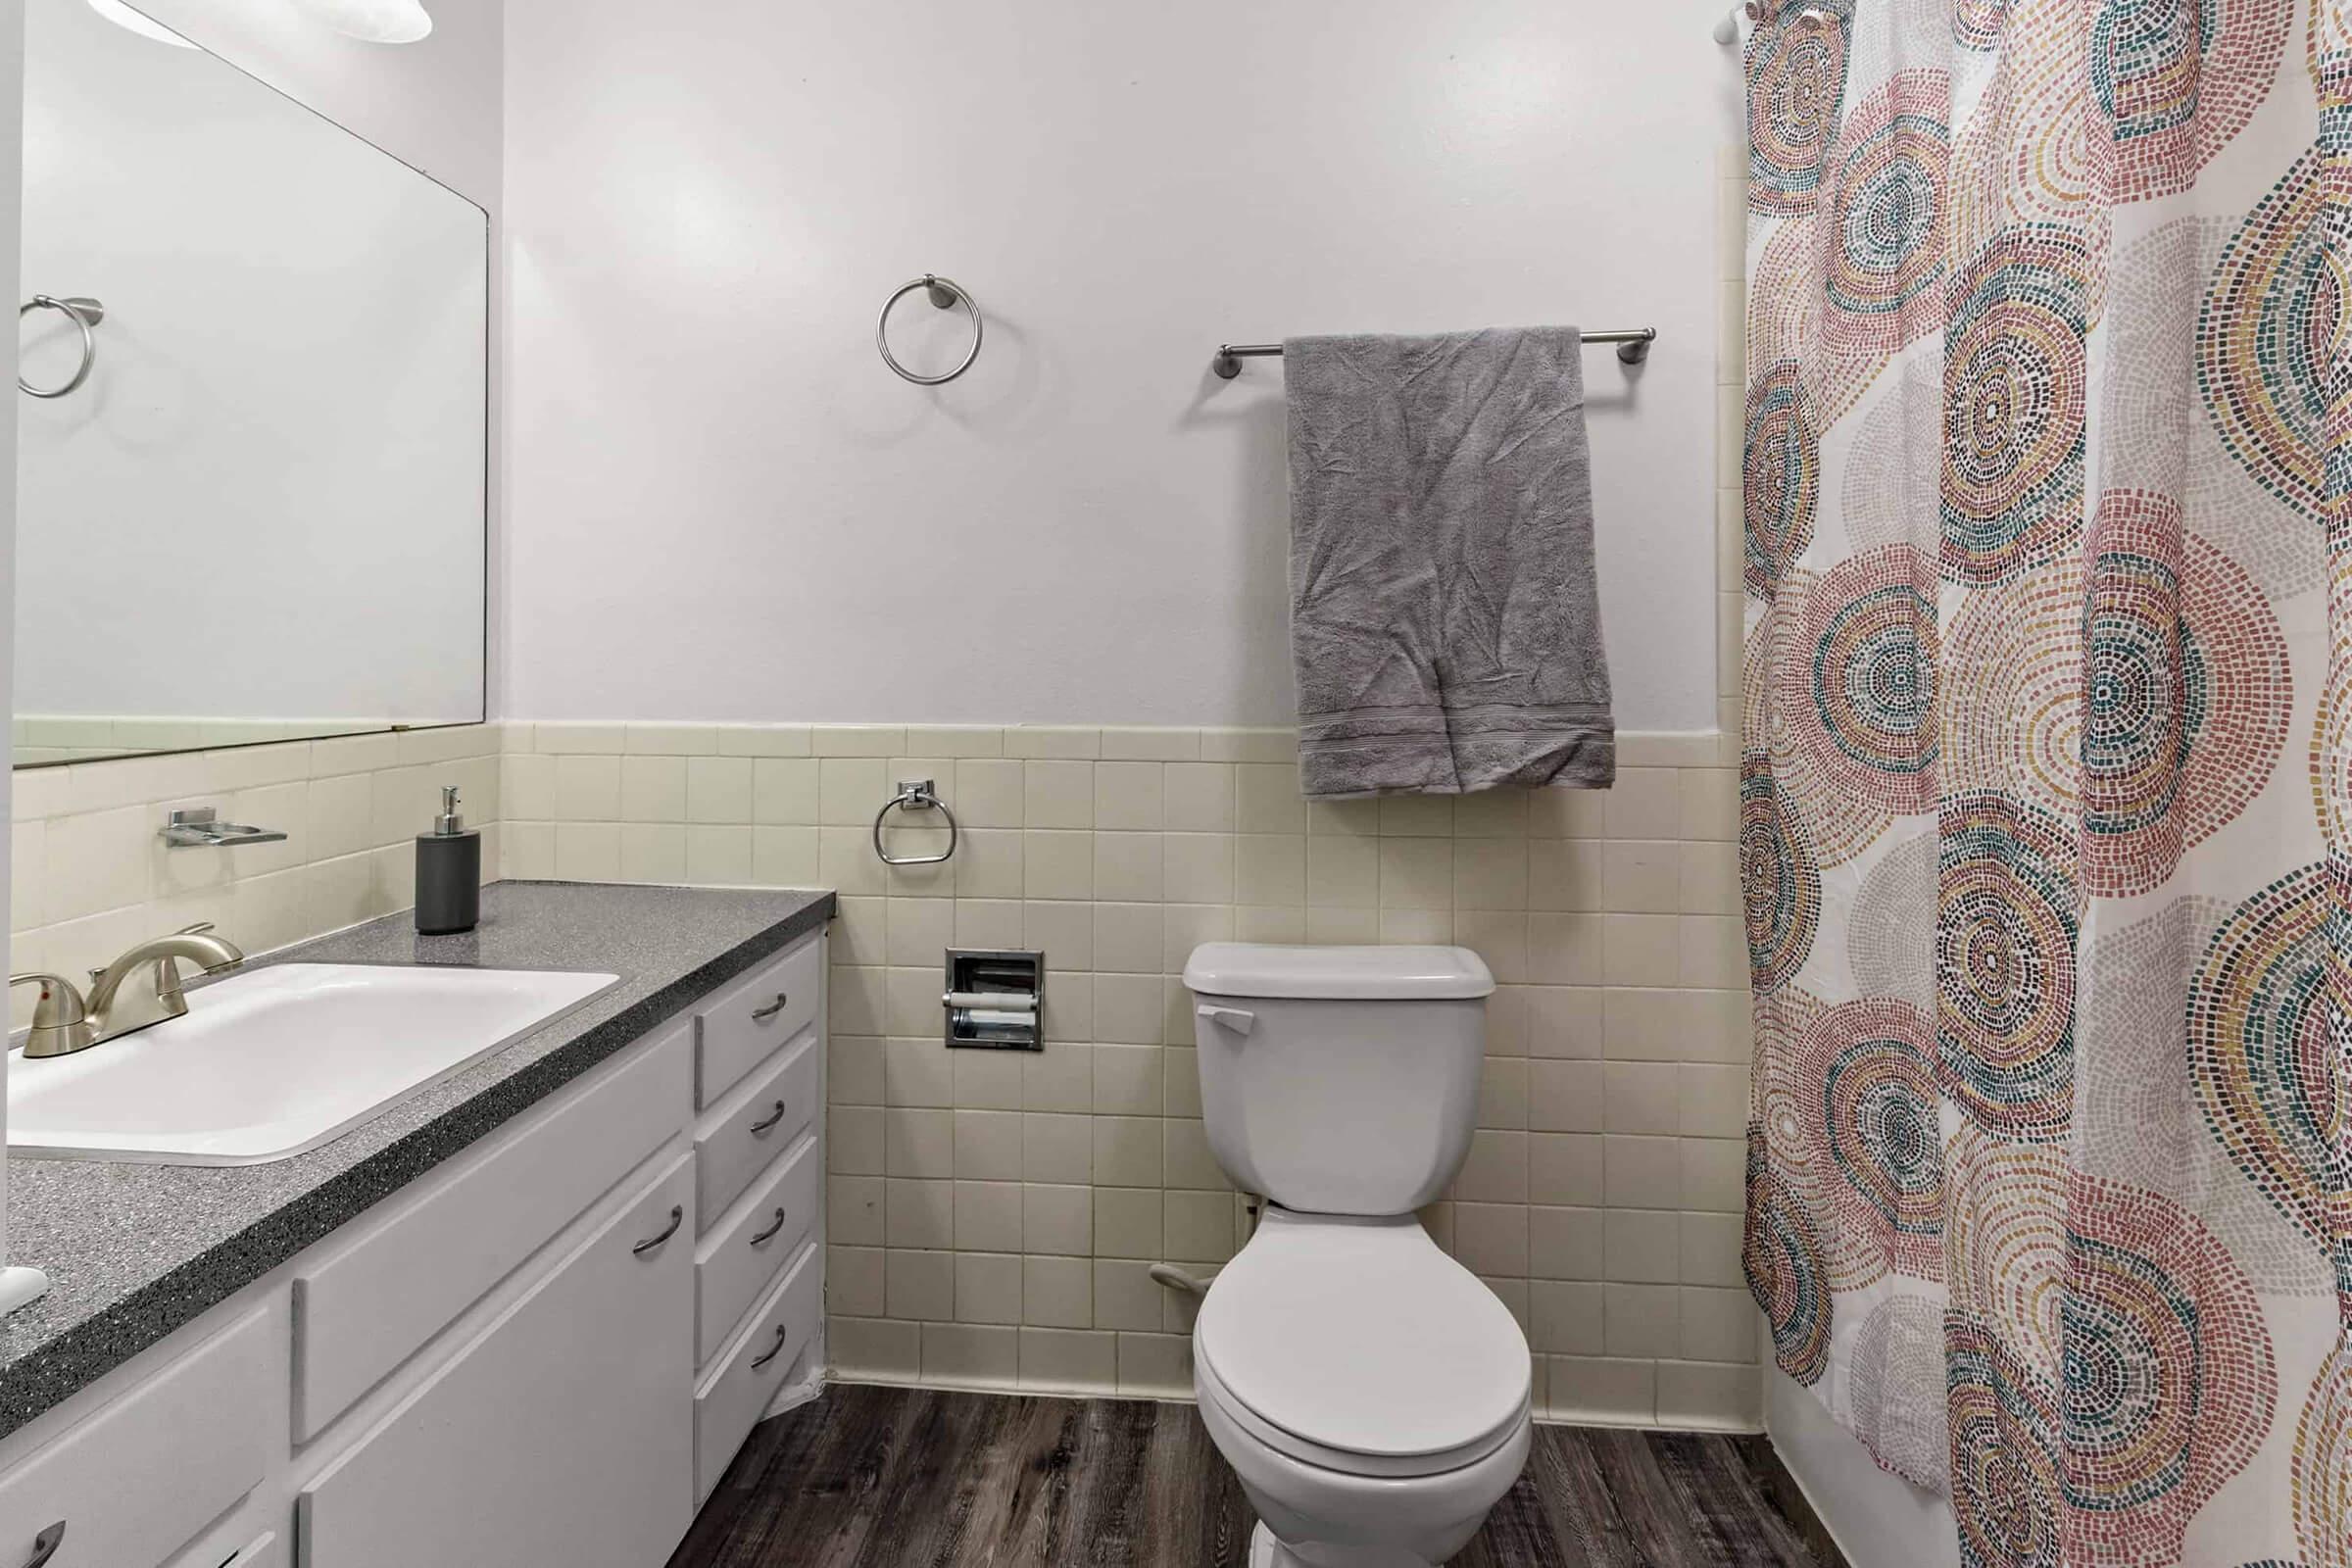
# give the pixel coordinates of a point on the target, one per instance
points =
(85, 313)
(945, 293)
(914, 795)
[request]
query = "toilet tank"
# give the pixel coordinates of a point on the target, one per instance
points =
(1340, 1079)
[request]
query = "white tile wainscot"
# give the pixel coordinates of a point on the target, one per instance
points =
(88, 877)
(992, 1216)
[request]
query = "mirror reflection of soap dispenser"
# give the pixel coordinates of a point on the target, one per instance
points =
(449, 871)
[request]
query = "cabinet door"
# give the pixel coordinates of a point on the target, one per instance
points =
(564, 1434)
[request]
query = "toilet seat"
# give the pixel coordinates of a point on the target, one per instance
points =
(1355, 1344)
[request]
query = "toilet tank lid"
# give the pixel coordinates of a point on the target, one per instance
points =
(1377, 974)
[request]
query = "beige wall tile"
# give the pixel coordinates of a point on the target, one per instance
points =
(988, 792)
(1565, 1168)
(858, 740)
(988, 1288)
(1149, 745)
(1052, 741)
(1067, 1359)
(921, 1285)
(1057, 1219)
(587, 789)
(1729, 1397)
(1565, 1317)
(1155, 1366)
(963, 1355)
(1127, 868)
(988, 1216)
(1059, 864)
(1642, 1320)
(919, 1214)
(1128, 795)
(1126, 1296)
(1608, 1392)
(653, 789)
(1198, 797)
(1640, 1248)
(1059, 794)
(1267, 798)
(853, 1279)
(1057, 1292)
(874, 1350)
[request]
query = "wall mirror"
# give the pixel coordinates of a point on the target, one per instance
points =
(252, 419)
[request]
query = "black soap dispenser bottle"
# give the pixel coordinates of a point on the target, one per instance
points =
(449, 871)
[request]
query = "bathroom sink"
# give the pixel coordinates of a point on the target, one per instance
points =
(270, 1063)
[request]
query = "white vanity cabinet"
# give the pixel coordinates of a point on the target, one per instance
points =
(547, 1350)
(562, 1435)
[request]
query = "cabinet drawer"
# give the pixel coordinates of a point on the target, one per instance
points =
(743, 1025)
(364, 1306)
(759, 1236)
(563, 1434)
(754, 1368)
(755, 1122)
(136, 1482)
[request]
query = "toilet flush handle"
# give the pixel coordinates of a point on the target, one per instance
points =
(1238, 1020)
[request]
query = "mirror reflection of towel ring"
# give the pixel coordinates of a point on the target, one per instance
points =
(945, 293)
(85, 313)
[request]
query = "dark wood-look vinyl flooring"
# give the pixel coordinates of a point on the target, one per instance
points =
(893, 1478)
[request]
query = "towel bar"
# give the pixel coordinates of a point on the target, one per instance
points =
(1633, 347)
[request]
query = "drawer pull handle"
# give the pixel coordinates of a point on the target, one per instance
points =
(773, 1350)
(769, 1234)
(45, 1545)
(677, 1217)
(763, 1014)
(765, 1125)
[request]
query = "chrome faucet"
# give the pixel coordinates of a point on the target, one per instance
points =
(138, 989)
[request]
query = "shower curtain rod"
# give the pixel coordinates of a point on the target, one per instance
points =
(1633, 348)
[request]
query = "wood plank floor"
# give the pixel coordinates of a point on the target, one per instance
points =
(890, 1478)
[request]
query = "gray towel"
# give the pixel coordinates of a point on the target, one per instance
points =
(1444, 618)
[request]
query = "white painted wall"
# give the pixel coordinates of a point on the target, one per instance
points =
(724, 507)
(275, 468)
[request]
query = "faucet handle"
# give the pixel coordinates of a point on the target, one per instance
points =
(61, 1022)
(196, 930)
(59, 999)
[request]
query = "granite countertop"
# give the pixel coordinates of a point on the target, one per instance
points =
(134, 1251)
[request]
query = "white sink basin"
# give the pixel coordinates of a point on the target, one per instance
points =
(276, 1062)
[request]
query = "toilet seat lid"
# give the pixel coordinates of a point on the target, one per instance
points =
(1361, 1336)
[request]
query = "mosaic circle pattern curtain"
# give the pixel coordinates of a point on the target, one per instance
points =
(2048, 789)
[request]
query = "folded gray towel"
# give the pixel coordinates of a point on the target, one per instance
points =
(1444, 617)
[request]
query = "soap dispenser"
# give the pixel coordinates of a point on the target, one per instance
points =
(449, 871)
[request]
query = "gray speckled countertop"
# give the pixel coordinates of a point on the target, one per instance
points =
(133, 1252)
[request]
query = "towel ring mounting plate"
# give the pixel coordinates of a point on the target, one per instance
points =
(946, 294)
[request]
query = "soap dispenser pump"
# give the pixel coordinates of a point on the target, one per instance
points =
(449, 871)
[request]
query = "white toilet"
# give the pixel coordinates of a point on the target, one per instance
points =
(1371, 1394)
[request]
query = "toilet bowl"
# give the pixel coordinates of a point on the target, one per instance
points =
(1371, 1394)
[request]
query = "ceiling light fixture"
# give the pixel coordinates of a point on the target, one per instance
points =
(374, 20)
(146, 26)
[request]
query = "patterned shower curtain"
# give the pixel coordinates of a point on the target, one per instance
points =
(2047, 792)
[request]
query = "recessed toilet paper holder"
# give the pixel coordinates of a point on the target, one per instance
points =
(996, 999)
